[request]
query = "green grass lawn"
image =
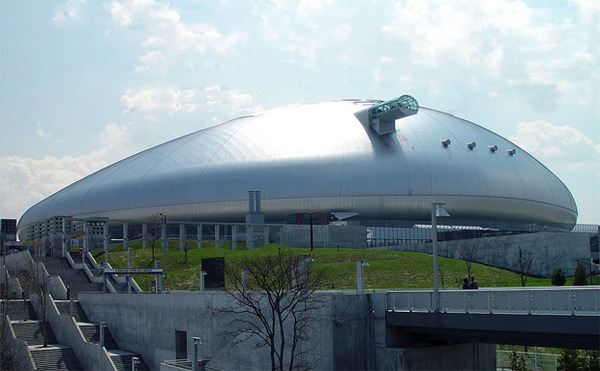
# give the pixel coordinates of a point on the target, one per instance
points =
(386, 269)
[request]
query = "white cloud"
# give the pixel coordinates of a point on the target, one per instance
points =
(164, 36)
(25, 181)
(220, 104)
(564, 146)
(69, 12)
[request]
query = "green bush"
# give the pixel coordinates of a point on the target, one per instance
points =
(579, 278)
(569, 360)
(558, 277)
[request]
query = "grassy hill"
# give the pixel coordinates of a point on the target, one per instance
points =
(386, 269)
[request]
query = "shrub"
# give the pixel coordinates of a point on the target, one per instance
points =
(579, 278)
(558, 277)
(569, 360)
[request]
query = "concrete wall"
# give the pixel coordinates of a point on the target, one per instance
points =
(549, 251)
(349, 333)
(349, 236)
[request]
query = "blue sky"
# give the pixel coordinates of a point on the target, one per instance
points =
(86, 83)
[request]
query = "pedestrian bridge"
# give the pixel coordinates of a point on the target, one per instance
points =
(565, 317)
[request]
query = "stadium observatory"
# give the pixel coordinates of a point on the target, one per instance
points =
(377, 161)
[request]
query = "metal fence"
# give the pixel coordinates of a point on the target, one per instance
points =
(533, 361)
(543, 300)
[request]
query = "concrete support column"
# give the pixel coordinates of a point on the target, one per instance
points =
(86, 241)
(202, 274)
(249, 237)
(102, 327)
(234, 237)
(199, 237)
(266, 237)
(181, 237)
(106, 241)
(64, 238)
(125, 236)
(360, 276)
(195, 359)
(217, 235)
(144, 235)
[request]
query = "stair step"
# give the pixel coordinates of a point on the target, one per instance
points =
(19, 310)
(123, 362)
(55, 358)
(64, 308)
(91, 333)
(32, 332)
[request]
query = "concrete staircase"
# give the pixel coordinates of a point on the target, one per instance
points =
(20, 310)
(32, 332)
(91, 333)
(123, 361)
(64, 308)
(54, 358)
(76, 278)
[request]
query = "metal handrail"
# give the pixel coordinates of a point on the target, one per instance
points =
(534, 300)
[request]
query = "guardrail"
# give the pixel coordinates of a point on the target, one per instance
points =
(530, 300)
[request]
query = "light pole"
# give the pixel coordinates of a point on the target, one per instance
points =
(436, 211)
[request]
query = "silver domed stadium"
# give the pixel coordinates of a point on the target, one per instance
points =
(380, 161)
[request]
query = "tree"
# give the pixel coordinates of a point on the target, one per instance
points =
(468, 253)
(579, 278)
(517, 363)
(35, 282)
(558, 277)
(154, 229)
(6, 351)
(274, 303)
(188, 245)
(569, 360)
(523, 266)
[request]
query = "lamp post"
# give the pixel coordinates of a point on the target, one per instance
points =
(436, 211)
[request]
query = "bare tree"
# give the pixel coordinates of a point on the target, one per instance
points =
(188, 245)
(6, 351)
(468, 253)
(523, 266)
(35, 282)
(275, 303)
(154, 229)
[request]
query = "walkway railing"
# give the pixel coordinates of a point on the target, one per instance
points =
(529, 300)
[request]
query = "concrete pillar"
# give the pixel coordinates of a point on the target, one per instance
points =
(71, 307)
(199, 237)
(234, 237)
(125, 236)
(106, 241)
(135, 361)
(102, 327)
(86, 241)
(197, 342)
(181, 237)
(64, 238)
(144, 235)
(249, 237)
(217, 235)
(257, 197)
(250, 202)
(266, 237)
(360, 276)
(202, 274)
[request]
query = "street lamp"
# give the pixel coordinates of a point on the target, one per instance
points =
(165, 241)
(437, 211)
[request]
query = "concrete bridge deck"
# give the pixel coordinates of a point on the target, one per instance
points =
(566, 317)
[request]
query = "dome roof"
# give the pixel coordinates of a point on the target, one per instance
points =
(323, 157)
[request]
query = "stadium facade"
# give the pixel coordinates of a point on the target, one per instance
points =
(379, 161)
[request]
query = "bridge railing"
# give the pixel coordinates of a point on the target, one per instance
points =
(530, 300)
